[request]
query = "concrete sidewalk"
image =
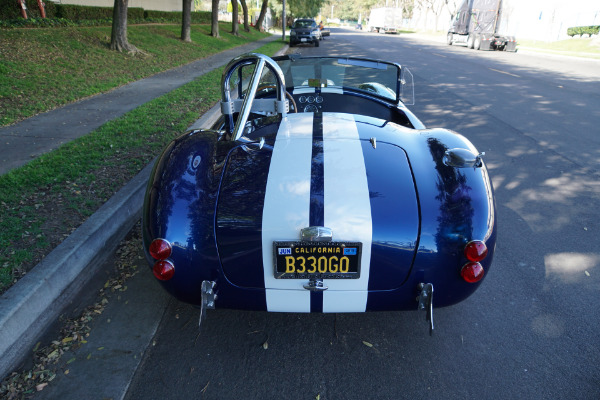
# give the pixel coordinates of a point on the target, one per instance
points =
(27, 308)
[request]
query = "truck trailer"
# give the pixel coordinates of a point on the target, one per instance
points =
(478, 24)
(385, 20)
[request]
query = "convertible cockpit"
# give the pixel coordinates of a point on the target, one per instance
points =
(315, 85)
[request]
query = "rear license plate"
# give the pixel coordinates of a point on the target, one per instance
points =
(303, 39)
(324, 260)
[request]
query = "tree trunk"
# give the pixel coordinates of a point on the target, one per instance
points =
(186, 21)
(283, 22)
(245, 10)
(23, 8)
(42, 8)
(261, 16)
(214, 27)
(235, 28)
(118, 39)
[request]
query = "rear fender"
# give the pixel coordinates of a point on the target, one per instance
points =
(179, 207)
(457, 206)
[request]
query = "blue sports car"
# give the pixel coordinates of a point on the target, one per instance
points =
(317, 190)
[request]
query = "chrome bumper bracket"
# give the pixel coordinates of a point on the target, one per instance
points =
(426, 302)
(208, 299)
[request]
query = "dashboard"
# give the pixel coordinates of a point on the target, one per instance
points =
(310, 103)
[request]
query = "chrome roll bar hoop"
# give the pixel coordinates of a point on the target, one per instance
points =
(236, 128)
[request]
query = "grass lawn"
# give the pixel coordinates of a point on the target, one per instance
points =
(588, 47)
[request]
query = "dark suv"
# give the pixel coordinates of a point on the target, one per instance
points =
(305, 31)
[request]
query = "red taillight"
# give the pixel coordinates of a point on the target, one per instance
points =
(163, 270)
(472, 272)
(475, 251)
(160, 249)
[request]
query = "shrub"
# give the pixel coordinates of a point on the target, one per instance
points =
(81, 13)
(198, 17)
(69, 15)
(583, 30)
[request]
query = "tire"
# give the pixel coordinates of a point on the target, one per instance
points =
(316, 43)
(470, 41)
(292, 44)
(449, 39)
(477, 42)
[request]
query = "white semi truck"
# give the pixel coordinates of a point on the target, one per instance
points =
(385, 20)
(480, 24)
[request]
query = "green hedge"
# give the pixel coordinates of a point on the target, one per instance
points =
(583, 30)
(198, 17)
(81, 13)
(10, 14)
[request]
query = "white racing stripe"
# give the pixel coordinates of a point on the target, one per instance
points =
(347, 208)
(287, 207)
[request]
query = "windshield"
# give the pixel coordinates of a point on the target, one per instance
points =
(379, 78)
(304, 23)
(376, 78)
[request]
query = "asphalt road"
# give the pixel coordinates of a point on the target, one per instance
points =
(529, 332)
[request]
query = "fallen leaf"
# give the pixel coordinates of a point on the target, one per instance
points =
(367, 344)
(41, 386)
(587, 273)
(265, 345)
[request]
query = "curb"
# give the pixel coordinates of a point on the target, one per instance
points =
(37, 299)
(28, 307)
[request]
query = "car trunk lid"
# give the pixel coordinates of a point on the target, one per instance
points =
(318, 173)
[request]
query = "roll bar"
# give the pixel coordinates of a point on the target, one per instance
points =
(245, 106)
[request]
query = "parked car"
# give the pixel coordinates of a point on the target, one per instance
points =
(318, 190)
(305, 31)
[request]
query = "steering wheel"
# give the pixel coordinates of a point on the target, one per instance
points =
(287, 94)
